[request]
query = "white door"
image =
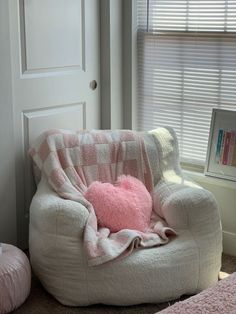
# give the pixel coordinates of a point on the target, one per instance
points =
(55, 68)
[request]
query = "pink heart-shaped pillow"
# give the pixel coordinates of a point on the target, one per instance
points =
(125, 205)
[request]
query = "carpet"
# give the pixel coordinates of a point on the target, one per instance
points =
(41, 302)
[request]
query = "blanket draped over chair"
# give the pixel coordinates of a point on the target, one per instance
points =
(71, 161)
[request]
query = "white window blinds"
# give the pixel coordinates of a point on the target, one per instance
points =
(186, 67)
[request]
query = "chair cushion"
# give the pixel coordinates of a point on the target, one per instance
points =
(125, 205)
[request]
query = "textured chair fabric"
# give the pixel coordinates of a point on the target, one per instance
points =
(188, 264)
(15, 278)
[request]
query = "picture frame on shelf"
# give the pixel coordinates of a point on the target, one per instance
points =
(221, 153)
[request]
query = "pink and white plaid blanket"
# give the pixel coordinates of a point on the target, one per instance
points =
(71, 161)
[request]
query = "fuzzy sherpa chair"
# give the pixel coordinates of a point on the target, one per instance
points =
(189, 263)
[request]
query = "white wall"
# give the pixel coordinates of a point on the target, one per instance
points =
(8, 232)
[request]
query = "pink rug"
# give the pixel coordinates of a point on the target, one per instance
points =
(219, 299)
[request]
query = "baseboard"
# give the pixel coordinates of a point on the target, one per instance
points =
(229, 243)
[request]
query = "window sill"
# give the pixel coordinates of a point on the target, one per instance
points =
(200, 177)
(192, 167)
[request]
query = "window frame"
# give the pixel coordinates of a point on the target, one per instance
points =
(131, 84)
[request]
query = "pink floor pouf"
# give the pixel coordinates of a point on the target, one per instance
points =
(15, 278)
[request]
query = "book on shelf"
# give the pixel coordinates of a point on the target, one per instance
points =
(226, 148)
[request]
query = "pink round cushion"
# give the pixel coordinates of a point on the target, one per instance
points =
(125, 205)
(15, 278)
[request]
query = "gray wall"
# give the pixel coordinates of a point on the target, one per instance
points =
(7, 183)
(111, 64)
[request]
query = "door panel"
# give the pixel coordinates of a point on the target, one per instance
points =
(53, 33)
(55, 56)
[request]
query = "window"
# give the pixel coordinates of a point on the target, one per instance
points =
(186, 67)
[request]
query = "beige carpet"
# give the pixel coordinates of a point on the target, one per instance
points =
(40, 302)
